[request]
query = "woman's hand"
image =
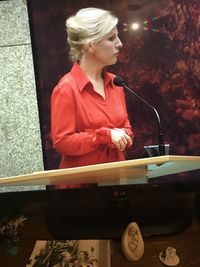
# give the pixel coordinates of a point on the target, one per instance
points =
(120, 139)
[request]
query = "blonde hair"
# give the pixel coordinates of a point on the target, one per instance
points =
(88, 25)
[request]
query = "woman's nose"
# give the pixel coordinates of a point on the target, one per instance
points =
(119, 43)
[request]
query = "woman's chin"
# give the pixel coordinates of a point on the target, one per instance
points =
(112, 62)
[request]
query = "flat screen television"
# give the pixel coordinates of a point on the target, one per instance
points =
(159, 61)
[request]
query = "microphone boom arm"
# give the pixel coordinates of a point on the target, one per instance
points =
(160, 137)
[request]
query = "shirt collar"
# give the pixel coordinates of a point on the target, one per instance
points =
(82, 80)
(108, 77)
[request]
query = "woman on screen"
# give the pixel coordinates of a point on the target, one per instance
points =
(89, 120)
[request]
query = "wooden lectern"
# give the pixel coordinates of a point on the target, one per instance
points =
(127, 172)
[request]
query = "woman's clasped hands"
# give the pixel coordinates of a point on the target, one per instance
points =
(120, 139)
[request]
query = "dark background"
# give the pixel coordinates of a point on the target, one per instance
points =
(160, 62)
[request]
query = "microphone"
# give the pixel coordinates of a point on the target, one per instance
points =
(118, 81)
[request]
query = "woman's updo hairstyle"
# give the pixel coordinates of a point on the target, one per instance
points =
(88, 25)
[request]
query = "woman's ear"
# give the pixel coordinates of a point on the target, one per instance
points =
(90, 47)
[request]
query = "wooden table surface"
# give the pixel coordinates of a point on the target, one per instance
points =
(187, 245)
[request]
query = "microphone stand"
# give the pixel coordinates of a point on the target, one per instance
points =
(161, 146)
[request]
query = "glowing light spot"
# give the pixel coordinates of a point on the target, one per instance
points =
(135, 26)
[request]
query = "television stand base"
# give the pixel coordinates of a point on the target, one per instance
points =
(156, 215)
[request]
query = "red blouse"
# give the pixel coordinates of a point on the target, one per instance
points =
(81, 120)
